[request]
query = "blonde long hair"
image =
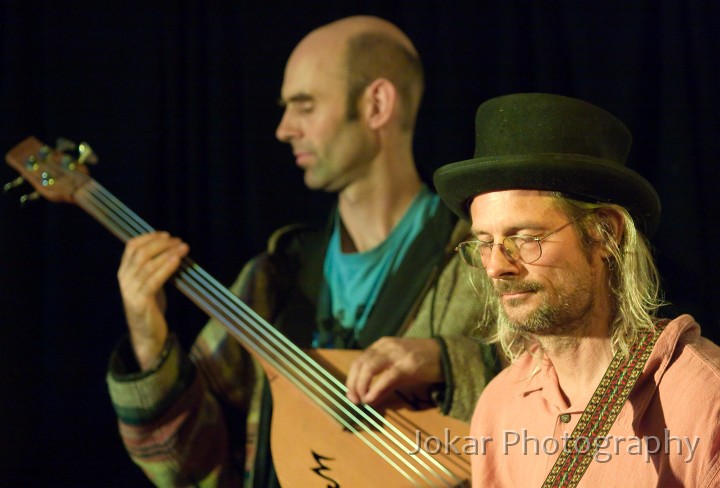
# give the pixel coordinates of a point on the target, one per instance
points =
(634, 280)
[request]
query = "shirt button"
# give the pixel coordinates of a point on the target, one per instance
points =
(565, 418)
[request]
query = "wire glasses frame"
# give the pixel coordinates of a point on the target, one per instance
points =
(523, 248)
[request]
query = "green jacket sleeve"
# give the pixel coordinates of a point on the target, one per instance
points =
(184, 420)
(450, 312)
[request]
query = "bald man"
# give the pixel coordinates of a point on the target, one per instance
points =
(379, 277)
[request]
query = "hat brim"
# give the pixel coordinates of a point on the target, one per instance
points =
(595, 180)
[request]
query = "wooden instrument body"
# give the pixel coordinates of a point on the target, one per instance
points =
(311, 449)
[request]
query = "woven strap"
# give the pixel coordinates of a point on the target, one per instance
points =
(601, 412)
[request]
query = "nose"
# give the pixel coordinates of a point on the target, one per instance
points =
(287, 129)
(499, 263)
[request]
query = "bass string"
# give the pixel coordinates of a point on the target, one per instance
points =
(291, 361)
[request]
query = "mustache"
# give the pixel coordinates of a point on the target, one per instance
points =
(502, 287)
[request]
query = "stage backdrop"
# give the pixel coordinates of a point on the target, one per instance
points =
(178, 99)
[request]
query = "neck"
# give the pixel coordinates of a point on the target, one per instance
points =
(580, 358)
(371, 206)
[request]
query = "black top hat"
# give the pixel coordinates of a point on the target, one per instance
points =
(549, 142)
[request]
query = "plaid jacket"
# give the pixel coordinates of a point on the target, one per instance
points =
(199, 419)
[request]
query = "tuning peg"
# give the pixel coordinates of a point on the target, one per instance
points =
(87, 155)
(65, 145)
(46, 179)
(13, 184)
(31, 163)
(29, 197)
(43, 153)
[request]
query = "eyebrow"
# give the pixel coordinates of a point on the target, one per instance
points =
(531, 227)
(298, 98)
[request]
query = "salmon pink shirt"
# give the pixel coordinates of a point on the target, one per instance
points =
(666, 435)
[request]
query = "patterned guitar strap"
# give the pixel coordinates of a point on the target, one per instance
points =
(601, 412)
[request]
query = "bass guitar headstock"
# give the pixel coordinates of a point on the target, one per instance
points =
(54, 172)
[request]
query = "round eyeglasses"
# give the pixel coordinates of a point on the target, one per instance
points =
(526, 249)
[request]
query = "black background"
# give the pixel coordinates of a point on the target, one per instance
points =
(179, 101)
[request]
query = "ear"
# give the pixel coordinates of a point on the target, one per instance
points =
(613, 225)
(379, 103)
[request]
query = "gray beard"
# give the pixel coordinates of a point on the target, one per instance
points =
(566, 317)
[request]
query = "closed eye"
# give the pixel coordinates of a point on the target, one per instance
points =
(526, 237)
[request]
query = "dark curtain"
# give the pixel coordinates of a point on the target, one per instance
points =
(178, 99)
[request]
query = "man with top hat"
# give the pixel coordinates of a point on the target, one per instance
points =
(600, 391)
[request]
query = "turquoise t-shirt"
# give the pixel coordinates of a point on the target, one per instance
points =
(355, 279)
